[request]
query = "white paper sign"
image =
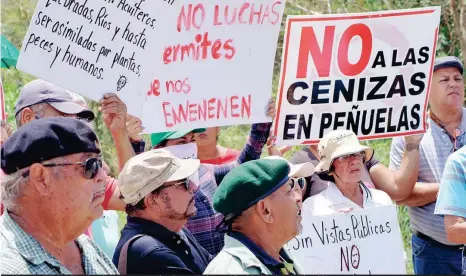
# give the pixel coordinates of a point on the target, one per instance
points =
(95, 47)
(186, 151)
(216, 65)
(360, 242)
(367, 72)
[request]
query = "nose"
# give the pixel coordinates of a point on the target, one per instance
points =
(101, 176)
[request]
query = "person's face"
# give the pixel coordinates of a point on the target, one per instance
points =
(349, 167)
(286, 204)
(176, 199)
(447, 89)
(29, 115)
(208, 137)
(188, 138)
(76, 196)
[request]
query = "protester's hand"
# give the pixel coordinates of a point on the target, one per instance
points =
(416, 138)
(7, 130)
(273, 149)
(134, 128)
(113, 113)
(270, 109)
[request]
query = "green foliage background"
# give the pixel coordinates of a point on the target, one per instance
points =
(16, 14)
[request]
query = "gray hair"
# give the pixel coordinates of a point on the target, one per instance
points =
(38, 109)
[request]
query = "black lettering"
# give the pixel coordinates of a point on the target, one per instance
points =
(379, 60)
(304, 126)
(399, 81)
(390, 126)
(291, 90)
(326, 122)
(380, 119)
(403, 121)
(366, 126)
(288, 126)
(317, 90)
(410, 57)
(424, 53)
(339, 123)
(395, 63)
(417, 82)
(380, 82)
(340, 88)
(415, 115)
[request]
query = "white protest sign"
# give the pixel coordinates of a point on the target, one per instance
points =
(368, 72)
(186, 151)
(360, 242)
(216, 66)
(95, 47)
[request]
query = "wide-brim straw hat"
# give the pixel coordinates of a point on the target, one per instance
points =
(339, 143)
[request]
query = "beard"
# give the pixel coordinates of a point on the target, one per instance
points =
(171, 213)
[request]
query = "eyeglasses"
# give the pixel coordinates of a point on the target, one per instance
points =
(301, 181)
(354, 155)
(91, 167)
(184, 182)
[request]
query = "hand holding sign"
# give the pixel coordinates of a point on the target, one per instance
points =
(113, 113)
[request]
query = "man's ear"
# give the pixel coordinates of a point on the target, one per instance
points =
(40, 179)
(27, 115)
(264, 209)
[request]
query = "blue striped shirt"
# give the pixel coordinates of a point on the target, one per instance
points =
(434, 150)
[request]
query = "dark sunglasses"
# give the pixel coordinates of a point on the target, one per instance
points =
(184, 182)
(299, 181)
(91, 167)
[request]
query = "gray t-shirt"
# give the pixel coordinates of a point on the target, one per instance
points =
(435, 148)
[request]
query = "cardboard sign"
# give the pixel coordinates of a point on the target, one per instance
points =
(360, 242)
(95, 47)
(369, 73)
(216, 65)
(186, 151)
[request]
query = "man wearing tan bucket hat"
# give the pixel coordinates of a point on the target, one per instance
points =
(342, 156)
(158, 190)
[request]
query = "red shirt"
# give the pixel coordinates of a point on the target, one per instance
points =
(230, 156)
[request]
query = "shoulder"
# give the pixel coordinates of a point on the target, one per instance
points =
(316, 204)
(11, 261)
(380, 197)
(225, 263)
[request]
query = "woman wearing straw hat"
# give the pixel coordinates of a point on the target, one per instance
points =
(343, 157)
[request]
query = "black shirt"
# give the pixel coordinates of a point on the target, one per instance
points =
(317, 182)
(161, 251)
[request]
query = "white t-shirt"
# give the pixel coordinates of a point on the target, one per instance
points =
(331, 201)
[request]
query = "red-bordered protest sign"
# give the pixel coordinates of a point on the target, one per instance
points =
(369, 73)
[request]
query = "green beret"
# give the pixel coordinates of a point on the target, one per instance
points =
(248, 183)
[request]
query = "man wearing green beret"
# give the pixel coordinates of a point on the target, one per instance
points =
(263, 212)
(203, 224)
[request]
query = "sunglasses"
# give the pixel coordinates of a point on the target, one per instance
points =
(298, 181)
(91, 167)
(354, 155)
(184, 182)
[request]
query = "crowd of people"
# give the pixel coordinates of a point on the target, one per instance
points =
(225, 212)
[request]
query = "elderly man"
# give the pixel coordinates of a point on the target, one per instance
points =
(203, 224)
(262, 212)
(432, 252)
(451, 201)
(158, 189)
(53, 191)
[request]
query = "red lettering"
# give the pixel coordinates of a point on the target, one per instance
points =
(266, 14)
(187, 87)
(365, 34)
(154, 88)
(275, 12)
(166, 55)
(178, 86)
(246, 106)
(241, 11)
(233, 18)
(221, 108)
(190, 18)
(196, 9)
(205, 44)
(192, 111)
(211, 108)
(182, 115)
(215, 47)
(166, 114)
(322, 58)
(176, 49)
(234, 107)
(253, 13)
(228, 47)
(216, 22)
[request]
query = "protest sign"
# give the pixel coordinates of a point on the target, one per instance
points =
(216, 66)
(186, 151)
(366, 241)
(95, 47)
(369, 73)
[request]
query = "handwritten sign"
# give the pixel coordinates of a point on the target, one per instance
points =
(95, 47)
(345, 71)
(216, 65)
(360, 242)
(186, 151)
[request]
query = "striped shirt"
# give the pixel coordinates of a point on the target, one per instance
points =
(434, 150)
(452, 195)
(22, 254)
(203, 224)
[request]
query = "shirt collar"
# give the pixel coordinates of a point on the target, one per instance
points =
(337, 197)
(263, 256)
(152, 228)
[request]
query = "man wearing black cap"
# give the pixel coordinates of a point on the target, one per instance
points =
(262, 210)
(432, 252)
(53, 191)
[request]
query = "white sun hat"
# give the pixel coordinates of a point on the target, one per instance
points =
(298, 170)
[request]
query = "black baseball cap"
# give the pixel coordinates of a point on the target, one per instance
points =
(40, 91)
(448, 61)
(45, 139)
